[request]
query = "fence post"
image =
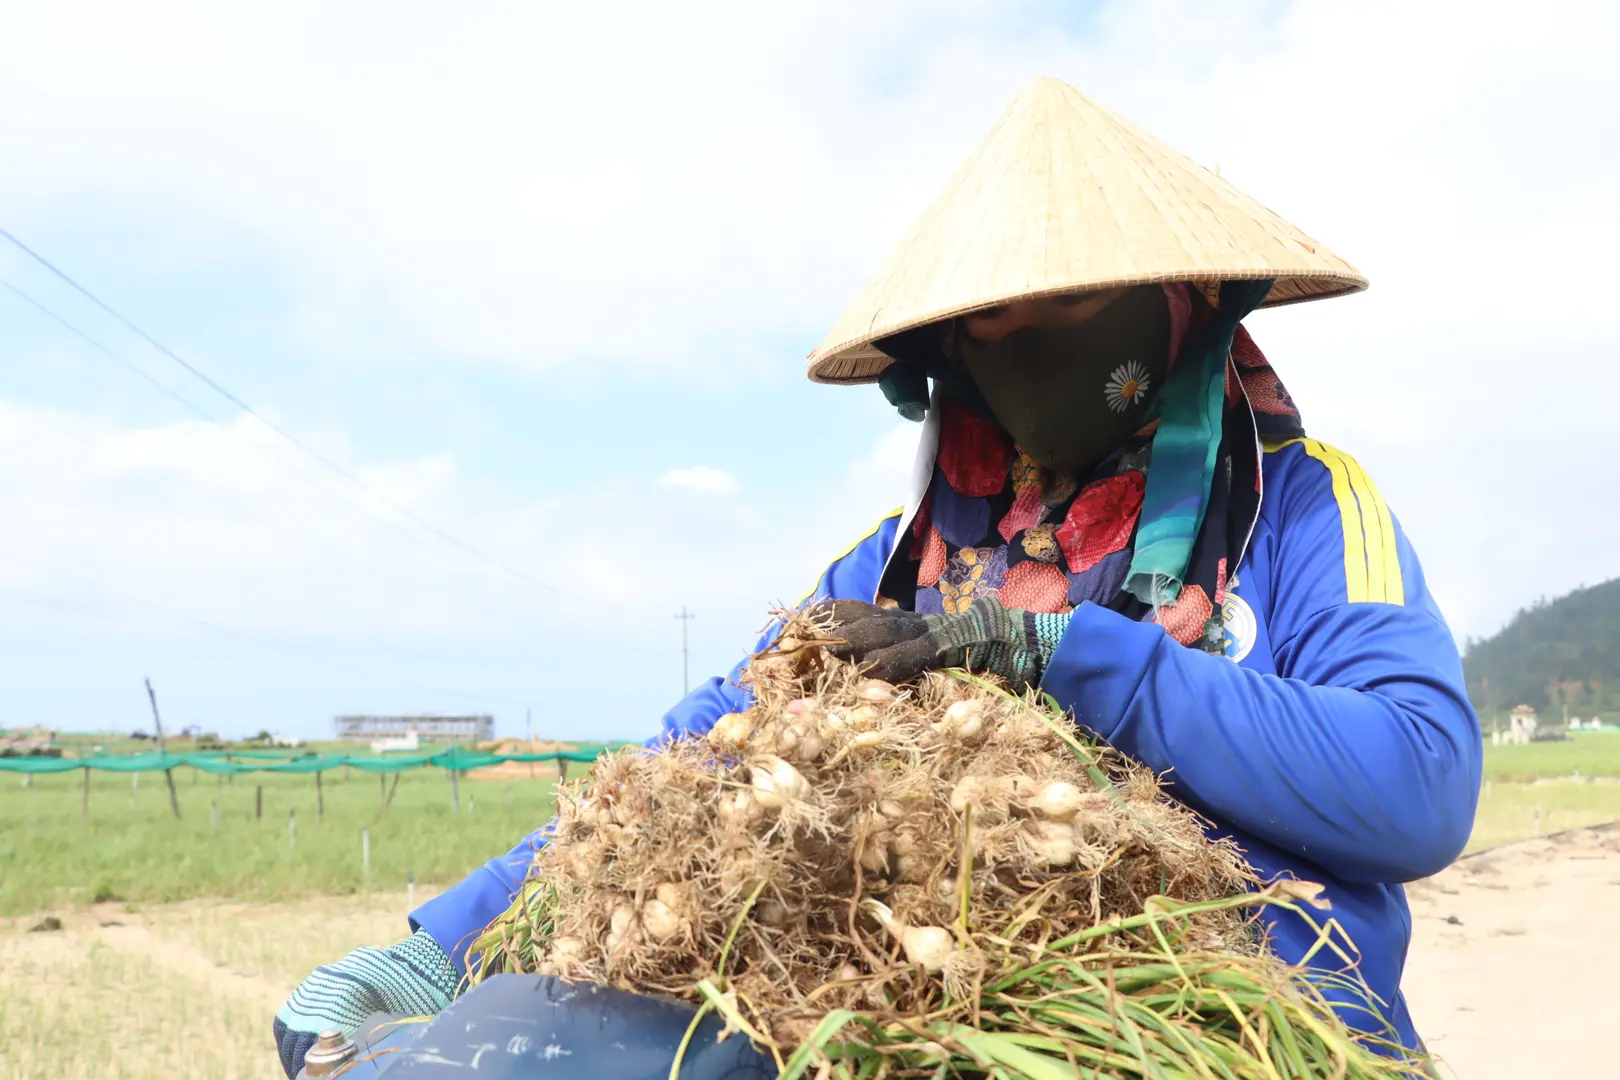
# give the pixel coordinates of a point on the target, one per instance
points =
(455, 790)
(258, 802)
(320, 799)
(292, 827)
(163, 750)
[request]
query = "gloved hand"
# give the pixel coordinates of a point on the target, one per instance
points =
(413, 978)
(897, 645)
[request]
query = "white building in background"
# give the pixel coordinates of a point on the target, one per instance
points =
(408, 741)
(427, 727)
(1521, 725)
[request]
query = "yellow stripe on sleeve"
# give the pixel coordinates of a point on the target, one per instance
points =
(1372, 564)
(1372, 538)
(1382, 554)
(1355, 546)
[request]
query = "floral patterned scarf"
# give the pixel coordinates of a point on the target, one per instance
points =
(995, 523)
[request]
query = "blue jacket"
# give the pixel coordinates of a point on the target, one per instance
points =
(1334, 742)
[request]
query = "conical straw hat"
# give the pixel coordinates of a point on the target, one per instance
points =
(1061, 196)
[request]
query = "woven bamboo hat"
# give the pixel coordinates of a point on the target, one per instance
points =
(1064, 196)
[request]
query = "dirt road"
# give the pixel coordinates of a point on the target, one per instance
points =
(1510, 974)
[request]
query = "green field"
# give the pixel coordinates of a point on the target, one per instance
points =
(132, 849)
(1590, 753)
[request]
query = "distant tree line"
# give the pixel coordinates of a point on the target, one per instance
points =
(1552, 654)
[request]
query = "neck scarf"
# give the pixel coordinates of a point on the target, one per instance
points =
(1152, 531)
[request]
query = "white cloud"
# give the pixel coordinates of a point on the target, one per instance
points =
(584, 189)
(700, 479)
(192, 539)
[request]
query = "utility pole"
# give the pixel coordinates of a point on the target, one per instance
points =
(686, 667)
(163, 749)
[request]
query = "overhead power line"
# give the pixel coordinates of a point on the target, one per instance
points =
(114, 357)
(442, 534)
(260, 448)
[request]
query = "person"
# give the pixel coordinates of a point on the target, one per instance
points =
(1116, 500)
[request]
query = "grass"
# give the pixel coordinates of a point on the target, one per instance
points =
(132, 850)
(1591, 753)
(1509, 811)
(1522, 780)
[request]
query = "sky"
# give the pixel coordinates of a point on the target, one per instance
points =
(538, 281)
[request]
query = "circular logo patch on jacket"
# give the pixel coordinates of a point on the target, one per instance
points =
(1241, 627)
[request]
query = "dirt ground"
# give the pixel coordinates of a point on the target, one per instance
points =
(178, 991)
(1509, 975)
(1513, 954)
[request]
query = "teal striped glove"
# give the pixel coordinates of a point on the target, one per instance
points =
(413, 978)
(897, 645)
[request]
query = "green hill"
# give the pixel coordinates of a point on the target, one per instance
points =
(1552, 654)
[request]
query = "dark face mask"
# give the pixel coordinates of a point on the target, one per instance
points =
(1070, 395)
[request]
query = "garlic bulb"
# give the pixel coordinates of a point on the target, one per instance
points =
(1058, 800)
(875, 690)
(567, 949)
(731, 730)
(874, 855)
(930, 946)
(661, 921)
(776, 783)
(971, 791)
(738, 807)
(800, 742)
(621, 928)
(862, 717)
(1051, 841)
(964, 720)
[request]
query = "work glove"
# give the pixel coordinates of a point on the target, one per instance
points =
(413, 978)
(896, 645)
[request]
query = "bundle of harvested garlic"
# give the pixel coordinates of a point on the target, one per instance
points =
(844, 841)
